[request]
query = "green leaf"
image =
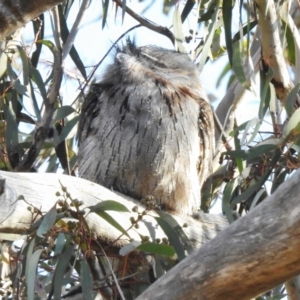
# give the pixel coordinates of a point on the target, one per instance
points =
(178, 31)
(105, 5)
(246, 29)
(54, 51)
(211, 27)
(172, 236)
(128, 248)
(249, 125)
(289, 104)
(24, 60)
(292, 123)
(67, 129)
(226, 70)
(73, 52)
(253, 152)
(187, 9)
(48, 221)
(279, 179)
(109, 219)
(178, 229)
(59, 246)
(28, 255)
(32, 270)
(34, 102)
(257, 198)
(227, 18)
(159, 249)
(237, 145)
(290, 42)
(86, 280)
(237, 64)
(38, 29)
(162, 264)
(20, 88)
(108, 205)
(37, 78)
(265, 96)
(230, 188)
(60, 270)
(11, 132)
(63, 112)
(258, 184)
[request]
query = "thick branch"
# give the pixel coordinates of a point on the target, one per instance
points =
(257, 252)
(39, 190)
(16, 13)
(272, 49)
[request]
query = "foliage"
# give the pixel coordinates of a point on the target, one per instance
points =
(254, 161)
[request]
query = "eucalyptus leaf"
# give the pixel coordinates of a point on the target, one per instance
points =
(60, 270)
(172, 236)
(109, 219)
(32, 271)
(158, 249)
(128, 248)
(63, 112)
(289, 104)
(178, 31)
(86, 280)
(67, 129)
(48, 221)
(292, 123)
(108, 205)
(25, 65)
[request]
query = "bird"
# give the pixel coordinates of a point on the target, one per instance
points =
(146, 128)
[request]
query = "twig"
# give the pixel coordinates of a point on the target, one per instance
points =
(147, 23)
(42, 132)
(71, 37)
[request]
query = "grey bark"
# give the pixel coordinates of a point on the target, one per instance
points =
(253, 255)
(16, 13)
(39, 190)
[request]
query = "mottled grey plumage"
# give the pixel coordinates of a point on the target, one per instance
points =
(147, 128)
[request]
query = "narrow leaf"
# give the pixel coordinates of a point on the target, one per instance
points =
(108, 205)
(172, 236)
(292, 123)
(178, 31)
(60, 270)
(109, 219)
(67, 129)
(63, 112)
(158, 249)
(25, 65)
(227, 18)
(48, 221)
(32, 270)
(289, 104)
(128, 248)
(86, 280)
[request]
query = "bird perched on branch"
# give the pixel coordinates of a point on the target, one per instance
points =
(147, 128)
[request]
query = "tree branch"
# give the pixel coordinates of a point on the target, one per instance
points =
(39, 190)
(258, 252)
(14, 14)
(147, 23)
(272, 49)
